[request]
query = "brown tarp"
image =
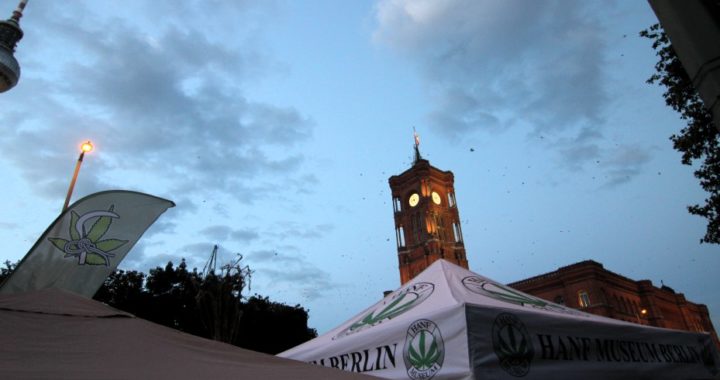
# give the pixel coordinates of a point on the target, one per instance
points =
(52, 334)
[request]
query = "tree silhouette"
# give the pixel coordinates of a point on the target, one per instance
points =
(5, 272)
(273, 327)
(700, 139)
(210, 305)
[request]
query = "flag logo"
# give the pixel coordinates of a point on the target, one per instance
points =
(85, 243)
(512, 344)
(400, 302)
(424, 350)
(504, 293)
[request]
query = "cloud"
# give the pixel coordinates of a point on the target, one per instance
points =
(163, 101)
(542, 61)
(311, 282)
(293, 269)
(276, 268)
(624, 163)
(293, 230)
(9, 226)
(274, 257)
(216, 232)
(244, 235)
(496, 65)
(222, 233)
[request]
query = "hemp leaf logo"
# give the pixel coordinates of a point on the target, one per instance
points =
(424, 356)
(512, 345)
(86, 245)
(396, 307)
(424, 351)
(400, 302)
(504, 293)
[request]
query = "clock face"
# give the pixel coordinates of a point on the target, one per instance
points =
(414, 199)
(436, 198)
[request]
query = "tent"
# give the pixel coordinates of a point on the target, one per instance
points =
(450, 323)
(53, 334)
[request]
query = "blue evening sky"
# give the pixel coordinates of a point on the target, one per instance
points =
(275, 125)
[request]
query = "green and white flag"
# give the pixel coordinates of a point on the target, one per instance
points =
(86, 242)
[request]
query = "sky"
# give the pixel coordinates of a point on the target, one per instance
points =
(275, 125)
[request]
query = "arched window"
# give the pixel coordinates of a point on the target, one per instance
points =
(457, 232)
(451, 200)
(583, 299)
(397, 205)
(400, 236)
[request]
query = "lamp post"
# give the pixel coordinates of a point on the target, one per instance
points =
(86, 147)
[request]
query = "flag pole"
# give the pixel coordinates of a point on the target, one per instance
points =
(417, 145)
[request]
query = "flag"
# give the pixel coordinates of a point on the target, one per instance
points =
(417, 138)
(86, 242)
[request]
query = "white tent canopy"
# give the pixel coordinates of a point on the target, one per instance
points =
(450, 323)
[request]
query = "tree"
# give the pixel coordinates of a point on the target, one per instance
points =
(210, 305)
(5, 272)
(273, 327)
(219, 300)
(699, 140)
(124, 290)
(172, 293)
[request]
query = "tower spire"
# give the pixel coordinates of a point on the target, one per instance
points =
(417, 146)
(17, 13)
(427, 220)
(10, 34)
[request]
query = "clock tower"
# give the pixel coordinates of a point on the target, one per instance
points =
(427, 222)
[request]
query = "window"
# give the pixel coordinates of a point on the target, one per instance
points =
(430, 224)
(425, 188)
(451, 199)
(397, 205)
(559, 300)
(457, 232)
(400, 236)
(440, 225)
(417, 227)
(583, 299)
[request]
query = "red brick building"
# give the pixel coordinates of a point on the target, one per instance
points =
(589, 287)
(427, 222)
(427, 228)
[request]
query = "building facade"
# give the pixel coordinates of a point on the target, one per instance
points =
(589, 287)
(427, 221)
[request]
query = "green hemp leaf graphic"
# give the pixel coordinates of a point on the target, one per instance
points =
(395, 308)
(424, 357)
(87, 246)
(511, 346)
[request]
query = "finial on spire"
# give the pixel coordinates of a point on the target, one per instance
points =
(17, 13)
(417, 146)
